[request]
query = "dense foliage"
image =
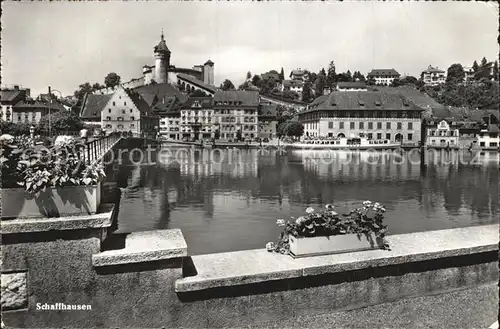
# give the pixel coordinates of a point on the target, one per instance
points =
(35, 167)
(365, 219)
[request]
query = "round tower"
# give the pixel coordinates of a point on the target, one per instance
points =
(162, 61)
(208, 72)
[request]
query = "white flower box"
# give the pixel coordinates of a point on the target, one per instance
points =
(51, 202)
(334, 244)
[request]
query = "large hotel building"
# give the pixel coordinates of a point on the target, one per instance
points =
(371, 114)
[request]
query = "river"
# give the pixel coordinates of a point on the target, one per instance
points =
(230, 200)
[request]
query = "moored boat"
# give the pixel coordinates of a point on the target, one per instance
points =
(357, 143)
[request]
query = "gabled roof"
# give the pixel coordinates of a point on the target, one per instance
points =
(197, 82)
(139, 102)
(36, 104)
(248, 98)
(209, 63)
(390, 72)
(298, 72)
(155, 92)
(12, 96)
(431, 69)
(93, 104)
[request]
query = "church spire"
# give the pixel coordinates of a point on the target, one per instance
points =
(162, 46)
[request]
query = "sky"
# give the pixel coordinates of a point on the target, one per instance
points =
(65, 44)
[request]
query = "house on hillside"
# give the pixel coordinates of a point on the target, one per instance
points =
(268, 122)
(383, 77)
(433, 76)
(299, 74)
(352, 86)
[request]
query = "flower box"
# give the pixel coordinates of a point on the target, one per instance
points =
(333, 244)
(51, 202)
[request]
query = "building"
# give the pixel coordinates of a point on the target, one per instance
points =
(268, 122)
(469, 74)
(126, 110)
(92, 107)
(299, 74)
(352, 86)
(169, 111)
(370, 114)
(489, 137)
(32, 111)
(292, 85)
(383, 77)
(10, 96)
(189, 84)
(443, 134)
(433, 76)
(164, 72)
(236, 110)
(196, 116)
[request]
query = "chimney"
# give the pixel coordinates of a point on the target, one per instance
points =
(16, 87)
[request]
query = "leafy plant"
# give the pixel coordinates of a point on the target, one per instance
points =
(365, 219)
(36, 168)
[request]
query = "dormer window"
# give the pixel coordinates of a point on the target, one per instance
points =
(377, 103)
(114, 103)
(361, 102)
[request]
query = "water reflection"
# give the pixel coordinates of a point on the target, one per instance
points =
(230, 200)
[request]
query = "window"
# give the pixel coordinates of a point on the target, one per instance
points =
(352, 125)
(120, 126)
(132, 118)
(131, 110)
(493, 144)
(132, 125)
(379, 135)
(400, 126)
(125, 103)
(410, 125)
(388, 125)
(330, 125)
(114, 103)
(108, 126)
(379, 125)
(123, 111)
(370, 135)
(482, 144)
(109, 110)
(388, 136)
(108, 118)
(341, 125)
(370, 125)
(410, 137)
(361, 125)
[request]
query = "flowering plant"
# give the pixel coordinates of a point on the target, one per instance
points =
(366, 219)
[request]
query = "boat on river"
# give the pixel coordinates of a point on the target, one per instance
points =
(357, 143)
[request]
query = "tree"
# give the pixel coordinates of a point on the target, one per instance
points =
(331, 77)
(455, 74)
(256, 81)
(112, 80)
(249, 75)
(244, 86)
(61, 121)
(484, 62)
(83, 89)
(282, 75)
(320, 83)
(349, 75)
(266, 86)
(294, 128)
(197, 93)
(227, 85)
(495, 71)
(307, 92)
(475, 66)
(371, 81)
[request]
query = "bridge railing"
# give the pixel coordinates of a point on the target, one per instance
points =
(96, 147)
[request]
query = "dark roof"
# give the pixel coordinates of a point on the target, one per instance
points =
(268, 110)
(12, 96)
(431, 69)
(391, 72)
(293, 83)
(493, 128)
(362, 100)
(162, 46)
(248, 98)
(351, 85)
(93, 104)
(206, 102)
(209, 62)
(298, 72)
(155, 92)
(168, 106)
(139, 102)
(415, 96)
(36, 104)
(196, 82)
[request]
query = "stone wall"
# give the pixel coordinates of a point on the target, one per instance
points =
(145, 279)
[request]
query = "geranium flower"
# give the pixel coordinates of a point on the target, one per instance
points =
(329, 206)
(280, 222)
(367, 203)
(300, 220)
(310, 210)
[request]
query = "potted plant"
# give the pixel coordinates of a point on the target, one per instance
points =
(327, 232)
(48, 182)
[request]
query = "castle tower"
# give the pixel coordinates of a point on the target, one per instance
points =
(162, 61)
(208, 73)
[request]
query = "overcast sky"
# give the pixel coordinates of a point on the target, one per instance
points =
(69, 43)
